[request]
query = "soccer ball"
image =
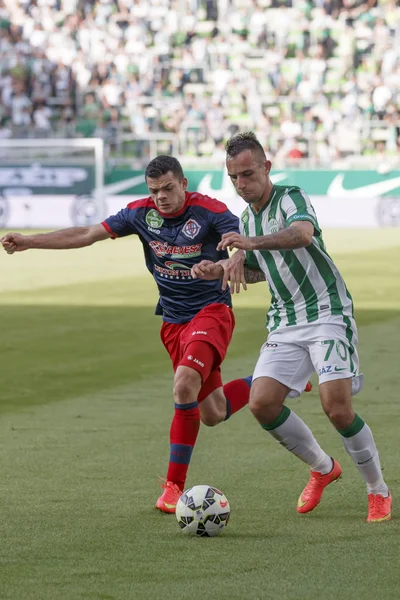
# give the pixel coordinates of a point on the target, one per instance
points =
(202, 510)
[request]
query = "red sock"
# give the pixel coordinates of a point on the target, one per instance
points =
(237, 393)
(183, 434)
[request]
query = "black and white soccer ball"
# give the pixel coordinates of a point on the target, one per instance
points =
(202, 510)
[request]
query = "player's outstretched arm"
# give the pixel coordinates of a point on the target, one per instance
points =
(64, 239)
(297, 235)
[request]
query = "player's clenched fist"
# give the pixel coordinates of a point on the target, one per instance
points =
(229, 269)
(207, 269)
(235, 240)
(14, 242)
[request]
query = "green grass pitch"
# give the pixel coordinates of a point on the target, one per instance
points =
(85, 408)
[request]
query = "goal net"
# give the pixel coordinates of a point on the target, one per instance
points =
(51, 183)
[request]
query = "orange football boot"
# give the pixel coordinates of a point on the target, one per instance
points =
(312, 493)
(168, 500)
(379, 508)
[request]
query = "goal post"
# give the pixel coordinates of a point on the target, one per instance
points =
(48, 183)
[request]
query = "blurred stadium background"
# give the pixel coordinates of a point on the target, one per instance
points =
(318, 81)
(90, 90)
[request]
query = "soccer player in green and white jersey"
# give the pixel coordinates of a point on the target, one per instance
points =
(310, 322)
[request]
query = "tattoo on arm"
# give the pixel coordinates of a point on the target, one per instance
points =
(253, 275)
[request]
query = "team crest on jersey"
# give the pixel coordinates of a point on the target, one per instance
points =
(191, 229)
(273, 226)
(245, 217)
(153, 219)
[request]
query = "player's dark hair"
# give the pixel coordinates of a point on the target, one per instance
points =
(161, 165)
(244, 141)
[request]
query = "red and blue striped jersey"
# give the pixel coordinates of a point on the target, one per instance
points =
(173, 244)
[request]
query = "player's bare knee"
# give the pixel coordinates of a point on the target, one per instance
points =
(263, 406)
(339, 411)
(186, 389)
(336, 403)
(187, 384)
(183, 391)
(341, 416)
(263, 411)
(256, 403)
(266, 399)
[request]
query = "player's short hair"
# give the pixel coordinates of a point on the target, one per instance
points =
(161, 165)
(244, 141)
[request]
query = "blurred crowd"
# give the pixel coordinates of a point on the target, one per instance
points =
(313, 78)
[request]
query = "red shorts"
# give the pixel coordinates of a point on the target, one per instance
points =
(201, 344)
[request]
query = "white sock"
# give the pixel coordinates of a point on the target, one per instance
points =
(294, 435)
(362, 449)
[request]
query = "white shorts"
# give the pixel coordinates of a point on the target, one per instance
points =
(293, 354)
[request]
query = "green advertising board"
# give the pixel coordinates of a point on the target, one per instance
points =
(340, 198)
(334, 184)
(57, 195)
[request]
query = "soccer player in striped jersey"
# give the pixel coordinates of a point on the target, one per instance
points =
(310, 322)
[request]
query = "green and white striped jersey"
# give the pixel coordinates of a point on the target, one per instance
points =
(305, 284)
